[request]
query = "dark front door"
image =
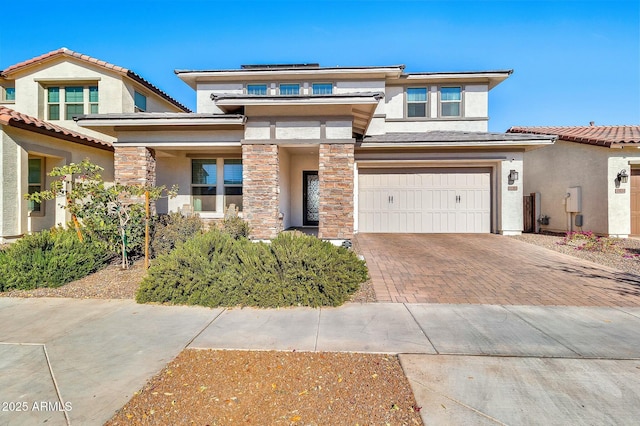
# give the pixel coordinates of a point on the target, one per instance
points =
(310, 198)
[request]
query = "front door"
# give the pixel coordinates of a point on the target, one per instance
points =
(310, 198)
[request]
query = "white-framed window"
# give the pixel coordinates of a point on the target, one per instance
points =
(322, 88)
(289, 89)
(450, 101)
(66, 102)
(7, 94)
(139, 102)
(214, 188)
(417, 101)
(257, 89)
(35, 182)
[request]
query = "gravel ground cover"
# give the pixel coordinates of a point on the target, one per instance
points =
(627, 259)
(208, 387)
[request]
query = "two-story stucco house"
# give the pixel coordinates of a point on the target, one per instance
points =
(343, 149)
(38, 100)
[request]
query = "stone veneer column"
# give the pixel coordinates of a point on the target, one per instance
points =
(260, 190)
(336, 191)
(134, 165)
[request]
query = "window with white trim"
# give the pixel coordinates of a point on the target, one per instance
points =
(66, 102)
(417, 101)
(450, 101)
(290, 89)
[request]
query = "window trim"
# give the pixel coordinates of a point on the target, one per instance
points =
(460, 102)
(266, 88)
(427, 109)
(289, 84)
(41, 212)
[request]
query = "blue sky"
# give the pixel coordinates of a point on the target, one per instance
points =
(573, 61)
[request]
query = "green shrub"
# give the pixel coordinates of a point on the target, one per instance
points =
(173, 229)
(234, 225)
(49, 259)
(215, 269)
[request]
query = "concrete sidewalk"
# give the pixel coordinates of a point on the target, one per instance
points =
(468, 364)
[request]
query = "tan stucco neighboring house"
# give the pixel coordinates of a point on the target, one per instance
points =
(343, 149)
(588, 180)
(38, 100)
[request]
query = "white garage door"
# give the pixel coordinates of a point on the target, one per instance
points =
(425, 202)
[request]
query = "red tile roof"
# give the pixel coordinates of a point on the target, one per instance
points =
(592, 135)
(86, 58)
(9, 117)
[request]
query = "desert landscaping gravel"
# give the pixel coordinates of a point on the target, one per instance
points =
(208, 387)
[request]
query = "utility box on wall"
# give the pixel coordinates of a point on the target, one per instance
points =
(574, 199)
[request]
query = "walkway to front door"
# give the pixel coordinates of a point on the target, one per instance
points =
(488, 269)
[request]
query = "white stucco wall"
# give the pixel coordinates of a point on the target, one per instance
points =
(476, 100)
(619, 205)
(509, 200)
(204, 104)
(174, 170)
(553, 169)
(297, 130)
(431, 125)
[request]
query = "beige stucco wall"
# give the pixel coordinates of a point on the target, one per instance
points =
(619, 205)
(204, 104)
(431, 125)
(298, 129)
(174, 170)
(17, 145)
(551, 170)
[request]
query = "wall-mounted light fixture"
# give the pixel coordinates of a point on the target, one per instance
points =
(513, 176)
(623, 177)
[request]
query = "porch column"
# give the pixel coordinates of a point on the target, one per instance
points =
(335, 173)
(261, 190)
(134, 165)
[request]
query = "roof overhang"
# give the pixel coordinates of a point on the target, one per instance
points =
(192, 78)
(361, 106)
(454, 139)
(113, 123)
(492, 78)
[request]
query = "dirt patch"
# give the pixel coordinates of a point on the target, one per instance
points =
(209, 387)
(627, 259)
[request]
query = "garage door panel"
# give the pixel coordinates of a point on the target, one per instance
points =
(425, 202)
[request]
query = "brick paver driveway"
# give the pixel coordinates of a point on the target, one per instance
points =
(488, 269)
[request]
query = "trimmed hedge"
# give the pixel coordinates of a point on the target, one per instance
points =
(49, 259)
(215, 269)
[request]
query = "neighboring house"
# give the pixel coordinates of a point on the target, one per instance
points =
(594, 159)
(343, 149)
(38, 100)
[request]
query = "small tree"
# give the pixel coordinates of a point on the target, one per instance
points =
(112, 213)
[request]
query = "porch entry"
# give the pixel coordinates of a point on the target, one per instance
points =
(310, 198)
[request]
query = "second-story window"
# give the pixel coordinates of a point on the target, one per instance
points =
(290, 89)
(417, 102)
(322, 88)
(450, 100)
(257, 89)
(140, 102)
(66, 102)
(9, 94)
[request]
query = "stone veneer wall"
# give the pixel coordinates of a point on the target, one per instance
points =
(336, 191)
(260, 190)
(134, 165)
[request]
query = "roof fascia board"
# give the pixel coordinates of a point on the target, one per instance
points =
(456, 144)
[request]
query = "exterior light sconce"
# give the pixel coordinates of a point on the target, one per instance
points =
(623, 177)
(513, 176)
